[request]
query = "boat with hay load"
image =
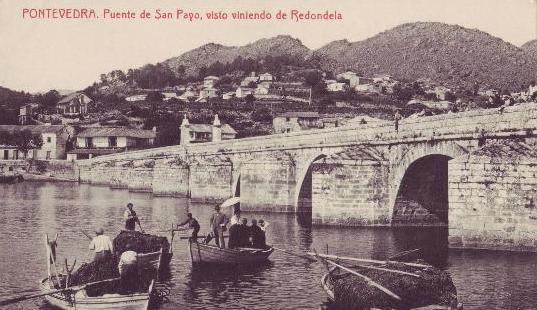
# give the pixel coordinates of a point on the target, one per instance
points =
(91, 297)
(152, 250)
(209, 254)
(95, 285)
(353, 283)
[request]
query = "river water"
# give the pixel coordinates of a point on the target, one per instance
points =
(484, 279)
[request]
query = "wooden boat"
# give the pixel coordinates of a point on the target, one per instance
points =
(81, 301)
(338, 273)
(156, 260)
(209, 254)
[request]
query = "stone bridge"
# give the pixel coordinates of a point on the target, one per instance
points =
(474, 172)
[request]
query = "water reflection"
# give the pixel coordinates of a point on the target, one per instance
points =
(485, 280)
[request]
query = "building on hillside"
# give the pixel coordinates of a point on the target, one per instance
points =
(228, 95)
(361, 83)
(134, 98)
(74, 104)
(378, 78)
(336, 87)
(242, 91)
(440, 92)
(56, 140)
(296, 121)
(210, 81)
(169, 95)
(25, 113)
(261, 90)
(348, 75)
(208, 92)
(189, 95)
(247, 81)
(200, 133)
(266, 77)
(95, 141)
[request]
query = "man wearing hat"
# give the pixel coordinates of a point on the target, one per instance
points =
(102, 245)
(218, 224)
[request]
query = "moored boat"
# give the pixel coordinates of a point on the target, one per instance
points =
(81, 300)
(209, 254)
(390, 286)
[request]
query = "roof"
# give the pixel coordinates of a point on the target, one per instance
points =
(95, 151)
(71, 96)
(32, 128)
(117, 132)
(300, 114)
(211, 77)
(209, 128)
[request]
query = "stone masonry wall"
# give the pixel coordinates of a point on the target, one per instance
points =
(350, 193)
(210, 182)
(170, 178)
(268, 186)
(493, 202)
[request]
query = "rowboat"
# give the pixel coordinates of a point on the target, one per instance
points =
(81, 301)
(328, 279)
(209, 254)
(155, 260)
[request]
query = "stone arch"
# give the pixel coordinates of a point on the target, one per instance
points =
(417, 165)
(304, 174)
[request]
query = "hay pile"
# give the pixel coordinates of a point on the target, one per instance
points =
(435, 287)
(95, 271)
(139, 242)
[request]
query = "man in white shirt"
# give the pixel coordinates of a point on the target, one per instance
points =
(101, 245)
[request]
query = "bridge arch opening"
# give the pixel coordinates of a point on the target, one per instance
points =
(304, 191)
(422, 198)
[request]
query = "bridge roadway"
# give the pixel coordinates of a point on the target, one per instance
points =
(450, 169)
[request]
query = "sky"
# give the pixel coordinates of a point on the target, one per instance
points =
(42, 54)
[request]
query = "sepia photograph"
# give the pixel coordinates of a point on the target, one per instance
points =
(268, 155)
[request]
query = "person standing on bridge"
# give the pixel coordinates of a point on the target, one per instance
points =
(397, 117)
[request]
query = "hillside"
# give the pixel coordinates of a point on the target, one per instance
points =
(208, 54)
(530, 47)
(447, 54)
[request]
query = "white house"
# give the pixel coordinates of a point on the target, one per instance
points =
(248, 80)
(95, 141)
(266, 77)
(210, 81)
(135, 98)
(336, 87)
(242, 91)
(208, 92)
(228, 95)
(74, 104)
(346, 75)
(261, 90)
(55, 141)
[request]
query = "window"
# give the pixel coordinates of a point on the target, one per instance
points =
(49, 139)
(6, 154)
(48, 154)
(89, 142)
(287, 119)
(112, 141)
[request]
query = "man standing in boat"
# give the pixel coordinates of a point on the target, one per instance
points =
(192, 224)
(102, 245)
(257, 235)
(218, 222)
(131, 218)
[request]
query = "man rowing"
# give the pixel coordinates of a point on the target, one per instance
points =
(131, 218)
(102, 245)
(192, 224)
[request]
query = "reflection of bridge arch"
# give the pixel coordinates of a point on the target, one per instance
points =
(419, 183)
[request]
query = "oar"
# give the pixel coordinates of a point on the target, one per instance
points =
(391, 270)
(367, 279)
(88, 236)
(403, 254)
(366, 260)
(199, 237)
(13, 300)
(294, 254)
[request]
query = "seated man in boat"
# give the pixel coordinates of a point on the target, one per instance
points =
(130, 218)
(192, 224)
(128, 270)
(218, 223)
(102, 245)
(235, 231)
(257, 236)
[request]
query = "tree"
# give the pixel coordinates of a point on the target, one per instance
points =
(25, 140)
(154, 96)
